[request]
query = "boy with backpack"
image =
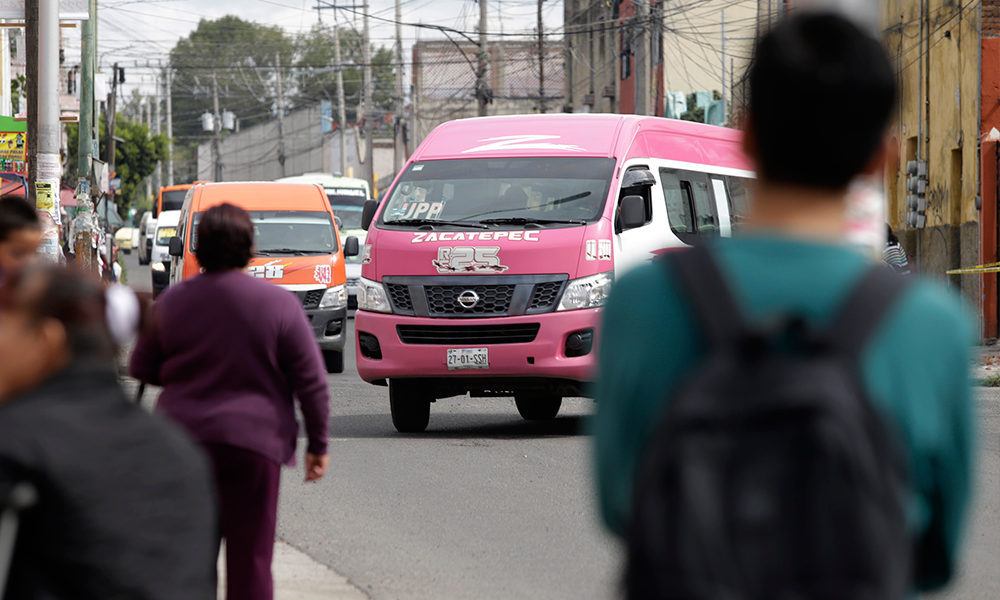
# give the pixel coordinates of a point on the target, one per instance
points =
(777, 417)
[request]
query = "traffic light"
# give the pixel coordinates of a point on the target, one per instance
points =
(916, 197)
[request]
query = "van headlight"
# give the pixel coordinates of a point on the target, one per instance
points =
(372, 296)
(587, 292)
(158, 266)
(334, 297)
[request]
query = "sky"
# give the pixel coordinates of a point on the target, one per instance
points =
(142, 32)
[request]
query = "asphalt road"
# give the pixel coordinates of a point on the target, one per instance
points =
(485, 505)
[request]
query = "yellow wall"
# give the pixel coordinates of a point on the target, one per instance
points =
(950, 84)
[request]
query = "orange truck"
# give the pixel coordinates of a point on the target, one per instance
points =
(297, 247)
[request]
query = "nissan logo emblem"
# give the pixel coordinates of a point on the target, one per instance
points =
(468, 299)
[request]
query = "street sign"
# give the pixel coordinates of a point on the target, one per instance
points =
(116, 184)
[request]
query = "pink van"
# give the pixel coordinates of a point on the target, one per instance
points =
(490, 257)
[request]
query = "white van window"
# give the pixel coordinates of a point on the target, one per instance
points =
(704, 208)
(739, 199)
(678, 202)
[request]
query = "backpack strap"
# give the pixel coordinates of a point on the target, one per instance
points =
(864, 309)
(708, 292)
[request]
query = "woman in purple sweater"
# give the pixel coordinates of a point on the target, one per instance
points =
(232, 352)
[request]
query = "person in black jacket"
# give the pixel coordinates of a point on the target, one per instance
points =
(126, 507)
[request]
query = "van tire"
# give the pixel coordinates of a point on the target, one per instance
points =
(334, 361)
(538, 406)
(410, 404)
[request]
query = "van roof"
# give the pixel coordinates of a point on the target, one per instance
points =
(263, 195)
(585, 135)
(326, 180)
(168, 218)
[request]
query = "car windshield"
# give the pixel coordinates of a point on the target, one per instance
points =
(346, 196)
(163, 235)
(173, 199)
(281, 232)
(512, 191)
(350, 216)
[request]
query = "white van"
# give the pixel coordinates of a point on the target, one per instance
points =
(159, 256)
(147, 231)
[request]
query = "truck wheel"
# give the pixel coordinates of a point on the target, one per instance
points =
(537, 406)
(410, 404)
(334, 361)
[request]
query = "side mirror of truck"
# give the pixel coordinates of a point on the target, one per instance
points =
(338, 221)
(351, 246)
(632, 212)
(368, 213)
(176, 246)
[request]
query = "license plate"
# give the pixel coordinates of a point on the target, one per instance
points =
(468, 358)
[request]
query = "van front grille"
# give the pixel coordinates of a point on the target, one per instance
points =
(468, 335)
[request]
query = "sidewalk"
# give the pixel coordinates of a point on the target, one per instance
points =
(298, 577)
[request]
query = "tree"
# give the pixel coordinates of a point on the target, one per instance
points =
(242, 56)
(316, 50)
(135, 158)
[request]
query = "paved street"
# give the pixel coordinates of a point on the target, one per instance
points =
(485, 505)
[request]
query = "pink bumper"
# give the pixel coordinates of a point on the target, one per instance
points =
(543, 357)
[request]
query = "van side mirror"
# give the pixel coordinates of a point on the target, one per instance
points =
(632, 212)
(351, 246)
(338, 221)
(368, 213)
(176, 247)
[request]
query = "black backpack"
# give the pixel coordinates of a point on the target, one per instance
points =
(771, 477)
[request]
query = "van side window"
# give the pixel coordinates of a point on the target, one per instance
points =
(739, 200)
(678, 200)
(644, 191)
(690, 208)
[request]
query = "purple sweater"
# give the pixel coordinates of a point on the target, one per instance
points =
(231, 353)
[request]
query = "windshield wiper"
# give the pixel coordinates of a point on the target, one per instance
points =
(570, 198)
(532, 220)
(285, 251)
(419, 222)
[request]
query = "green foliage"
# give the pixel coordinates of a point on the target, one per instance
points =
(991, 381)
(694, 112)
(242, 55)
(18, 87)
(135, 159)
(316, 49)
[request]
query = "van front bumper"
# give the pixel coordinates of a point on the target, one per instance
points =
(544, 357)
(329, 326)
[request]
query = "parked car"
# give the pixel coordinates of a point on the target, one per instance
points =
(147, 231)
(123, 239)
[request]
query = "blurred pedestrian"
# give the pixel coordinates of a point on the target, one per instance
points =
(894, 256)
(232, 353)
(20, 234)
(125, 500)
(756, 516)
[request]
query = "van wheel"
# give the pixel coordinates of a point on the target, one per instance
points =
(410, 404)
(334, 361)
(538, 406)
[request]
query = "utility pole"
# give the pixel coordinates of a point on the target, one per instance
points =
(42, 28)
(541, 60)
(85, 224)
(170, 124)
(159, 163)
(641, 76)
(367, 95)
(725, 104)
(217, 129)
(341, 109)
(399, 148)
(483, 49)
(148, 112)
(111, 115)
(281, 116)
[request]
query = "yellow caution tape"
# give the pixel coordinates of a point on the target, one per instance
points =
(977, 270)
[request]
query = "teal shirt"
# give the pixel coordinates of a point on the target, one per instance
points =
(915, 367)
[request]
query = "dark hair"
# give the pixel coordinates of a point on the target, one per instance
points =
(890, 237)
(69, 296)
(821, 94)
(16, 214)
(225, 238)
